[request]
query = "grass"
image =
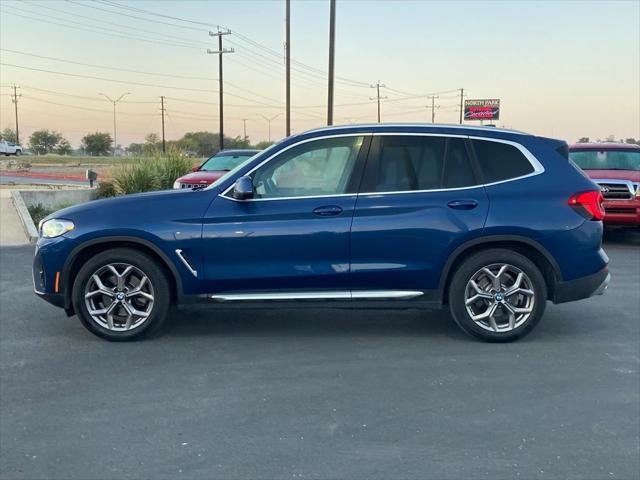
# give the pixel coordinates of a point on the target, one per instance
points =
(73, 160)
(64, 160)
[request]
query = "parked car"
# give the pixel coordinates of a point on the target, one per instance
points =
(213, 168)
(491, 223)
(10, 148)
(616, 168)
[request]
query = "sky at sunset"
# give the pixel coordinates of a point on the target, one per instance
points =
(562, 69)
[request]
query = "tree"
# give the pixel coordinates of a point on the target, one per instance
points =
(98, 143)
(632, 141)
(151, 138)
(8, 135)
(44, 141)
(583, 140)
(63, 147)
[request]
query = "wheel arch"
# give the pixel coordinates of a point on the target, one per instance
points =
(531, 249)
(92, 247)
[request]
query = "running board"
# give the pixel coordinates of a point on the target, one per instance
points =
(343, 295)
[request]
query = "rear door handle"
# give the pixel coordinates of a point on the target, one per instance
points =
(328, 211)
(463, 204)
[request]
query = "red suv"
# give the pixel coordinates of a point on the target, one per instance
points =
(616, 168)
(214, 168)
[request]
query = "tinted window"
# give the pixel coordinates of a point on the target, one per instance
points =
(320, 167)
(408, 163)
(500, 161)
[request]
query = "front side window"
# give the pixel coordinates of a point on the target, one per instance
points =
(410, 163)
(318, 167)
(501, 161)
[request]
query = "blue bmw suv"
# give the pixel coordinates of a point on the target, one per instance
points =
(490, 223)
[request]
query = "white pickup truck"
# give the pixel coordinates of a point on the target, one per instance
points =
(9, 148)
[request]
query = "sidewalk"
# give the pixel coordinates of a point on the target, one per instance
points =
(11, 231)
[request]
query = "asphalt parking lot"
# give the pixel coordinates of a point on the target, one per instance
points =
(322, 394)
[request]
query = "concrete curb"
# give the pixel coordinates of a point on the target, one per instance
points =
(25, 218)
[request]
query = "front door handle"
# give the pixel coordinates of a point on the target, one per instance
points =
(463, 204)
(328, 211)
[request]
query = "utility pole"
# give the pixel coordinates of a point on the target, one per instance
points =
(164, 150)
(332, 52)
(461, 104)
(269, 120)
(220, 52)
(378, 97)
(114, 102)
(14, 99)
(288, 66)
(244, 128)
(433, 107)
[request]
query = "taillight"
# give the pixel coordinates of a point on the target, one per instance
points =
(588, 204)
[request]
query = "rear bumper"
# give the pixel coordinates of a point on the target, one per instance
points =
(622, 212)
(584, 287)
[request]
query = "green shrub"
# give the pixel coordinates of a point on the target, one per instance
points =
(38, 212)
(106, 190)
(170, 167)
(136, 177)
(155, 173)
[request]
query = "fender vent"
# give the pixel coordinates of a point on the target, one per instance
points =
(187, 262)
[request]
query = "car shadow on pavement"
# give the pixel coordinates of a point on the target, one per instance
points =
(196, 321)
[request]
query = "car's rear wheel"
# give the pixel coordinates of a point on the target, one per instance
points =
(121, 294)
(497, 295)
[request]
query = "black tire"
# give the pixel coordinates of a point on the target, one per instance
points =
(18, 153)
(473, 264)
(156, 277)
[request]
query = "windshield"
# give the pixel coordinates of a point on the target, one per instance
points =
(607, 159)
(225, 162)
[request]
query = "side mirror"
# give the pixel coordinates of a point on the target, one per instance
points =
(243, 188)
(196, 168)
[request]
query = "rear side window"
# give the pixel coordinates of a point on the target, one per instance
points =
(500, 161)
(409, 163)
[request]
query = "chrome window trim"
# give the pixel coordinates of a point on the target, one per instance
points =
(538, 168)
(319, 295)
(423, 125)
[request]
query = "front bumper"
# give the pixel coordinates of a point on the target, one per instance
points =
(581, 288)
(622, 212)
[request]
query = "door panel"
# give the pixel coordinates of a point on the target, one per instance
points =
(294, 234)
(420, 202)
(401, 241)
(277, 245)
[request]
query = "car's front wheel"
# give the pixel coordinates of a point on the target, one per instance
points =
(497, 295)
(18, 153)
(121, 294)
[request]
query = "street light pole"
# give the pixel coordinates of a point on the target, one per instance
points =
(269, 120)
(114, 102)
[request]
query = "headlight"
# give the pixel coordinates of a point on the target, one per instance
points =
(638, 191)
(176, 185)
(55, 227)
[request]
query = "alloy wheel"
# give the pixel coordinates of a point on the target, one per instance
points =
(119, 297)
(499, 297)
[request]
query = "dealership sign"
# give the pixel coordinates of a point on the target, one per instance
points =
(486, 109)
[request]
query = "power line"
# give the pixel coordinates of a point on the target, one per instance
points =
(93, 65)
(108, 32)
